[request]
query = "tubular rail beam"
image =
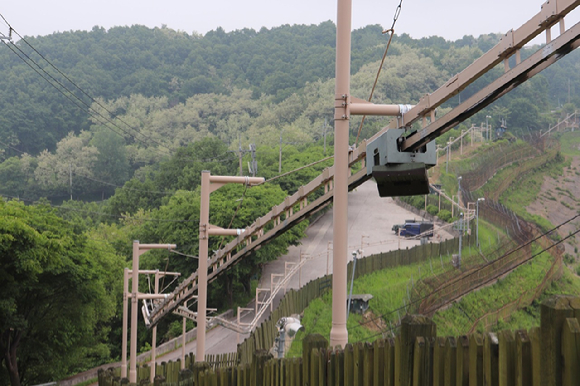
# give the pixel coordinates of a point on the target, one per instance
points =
(278, 220)
(540, 60)
(552, 12)
(282, 217)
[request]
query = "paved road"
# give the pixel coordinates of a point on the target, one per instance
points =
(370, 219)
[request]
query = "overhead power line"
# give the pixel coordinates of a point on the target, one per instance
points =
(416, 301)
(98, 213)
(90, 110)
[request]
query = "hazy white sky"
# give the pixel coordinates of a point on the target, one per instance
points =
(451, 19)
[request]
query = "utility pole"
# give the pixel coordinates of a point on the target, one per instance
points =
(138, 250)
(253, 167)
(460, 238)
(240, 153)
(209, 184)
(477, 225)
(70, 179)
(324, 136)
(280, 155)
(338, 332)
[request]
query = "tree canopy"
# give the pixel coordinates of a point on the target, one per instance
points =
(58, 293)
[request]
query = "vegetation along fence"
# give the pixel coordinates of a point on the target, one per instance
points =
(547, 355)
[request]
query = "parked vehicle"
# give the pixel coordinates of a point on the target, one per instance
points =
(424, 228)
(396, 227)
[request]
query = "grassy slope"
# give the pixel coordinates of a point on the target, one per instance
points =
(389, 287)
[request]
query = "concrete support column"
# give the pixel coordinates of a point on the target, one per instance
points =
(339, 333)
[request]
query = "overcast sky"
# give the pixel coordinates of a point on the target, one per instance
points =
(451, 19)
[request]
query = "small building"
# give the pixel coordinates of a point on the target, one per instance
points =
(360, 303)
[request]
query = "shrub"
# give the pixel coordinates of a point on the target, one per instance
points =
(432, 210)
(418, 202)
(444, 215)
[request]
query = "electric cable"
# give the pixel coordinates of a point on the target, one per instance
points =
(298, 169)
(392, 33)
(80, 89)
(165, 193)
(183, 254)
(490, 279)
(499, 258)
(97, 213)
(61, 91)
(235, 214)
(13, 148)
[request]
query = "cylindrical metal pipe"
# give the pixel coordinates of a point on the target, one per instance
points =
(372, 109)
(143, 296)
(202, 265)
(125, 321)
(183, 341)
(134, 306)
(225, 232)
(154, 337)
(338, 332)
(146, 247)
(236, 180)
(153, 272)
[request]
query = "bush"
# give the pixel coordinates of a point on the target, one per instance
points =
(432, 210)
(418, 202)
(444, 215)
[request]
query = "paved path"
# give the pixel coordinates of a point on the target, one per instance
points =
(370, 219)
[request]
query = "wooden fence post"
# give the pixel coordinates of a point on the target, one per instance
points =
(412, 326)
(420, 376)
(476, 360)
(507, 358)
(463, 361)
(348, 367)
(439, 361)
(378, 359)
(389, 361)
(554, 312)
(309, 343)
(198, 370)
(358, 363)
(571, 352)
(258, 365)
(368, 361)
(490, 360)
(535, 346)
(523, 359)
(450, 361)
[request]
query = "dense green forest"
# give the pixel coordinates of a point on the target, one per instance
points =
(104, 133)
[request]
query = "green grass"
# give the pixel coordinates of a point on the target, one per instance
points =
(389, 288)
(529, 316)
(458, 320)
(569, 143)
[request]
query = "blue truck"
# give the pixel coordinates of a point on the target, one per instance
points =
(415, 228)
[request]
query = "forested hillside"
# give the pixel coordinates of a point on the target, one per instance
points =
(113, 127)
(106, 104)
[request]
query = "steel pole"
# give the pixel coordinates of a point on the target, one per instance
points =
(351, 284)
(460, 237)
(134, 305)
(125, 321)
(183, 331)
(477, 223)
(202, 266)
(154, 338)
(338, 332)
